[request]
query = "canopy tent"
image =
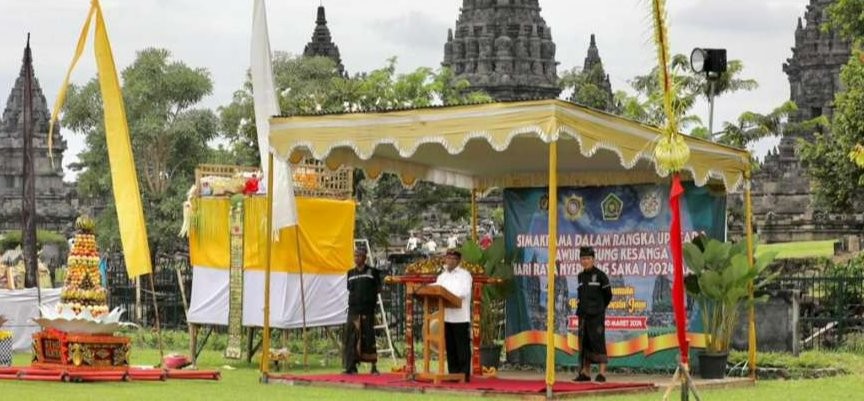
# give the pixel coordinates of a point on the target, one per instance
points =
(497, 145)
(504, 145)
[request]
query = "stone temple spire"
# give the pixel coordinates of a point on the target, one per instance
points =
(322, 44)
(814, 68)
(593, 57)
(593, 67)
(13, 113)
(504, 48)
(54, 198)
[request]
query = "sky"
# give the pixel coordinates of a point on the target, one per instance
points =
(215, 34)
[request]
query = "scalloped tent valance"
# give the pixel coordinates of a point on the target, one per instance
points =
(500, 145)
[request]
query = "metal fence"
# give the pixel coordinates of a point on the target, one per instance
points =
(831, 309)
(122, 292)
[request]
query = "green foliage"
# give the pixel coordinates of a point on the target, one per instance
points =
(496, 265)
(752, 126)
(386, 208)
(307, 85)
(169, 139)
(12, 240)
(720, 280)
(837, 179)
(647, 104)
(843, 294)
(313, 84)
(845, 17)
(587, 87)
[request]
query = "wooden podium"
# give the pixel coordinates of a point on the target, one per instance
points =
(435, 299)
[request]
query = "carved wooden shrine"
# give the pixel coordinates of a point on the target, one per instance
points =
(69, 351)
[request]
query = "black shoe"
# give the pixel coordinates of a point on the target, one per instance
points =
(350, 371)
(600, 378)
(374, 371)
(582, 378)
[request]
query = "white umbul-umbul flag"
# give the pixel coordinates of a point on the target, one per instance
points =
(267, 105)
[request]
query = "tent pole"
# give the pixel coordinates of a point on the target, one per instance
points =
(474, 214)
(551, 267)
(265, 342)
(302, 300)
(748, 215)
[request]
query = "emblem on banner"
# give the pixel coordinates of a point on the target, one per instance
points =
(573, 207)
(544, 203)
(612, 206)
(650, 204)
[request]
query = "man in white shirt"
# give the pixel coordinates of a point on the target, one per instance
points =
(452, 241)
(413, 243)
(457, 326)
(430, 247)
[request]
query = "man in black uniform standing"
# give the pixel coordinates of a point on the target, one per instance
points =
(364, 283)
(595, 293)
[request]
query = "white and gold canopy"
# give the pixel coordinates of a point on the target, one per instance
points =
(502, 145)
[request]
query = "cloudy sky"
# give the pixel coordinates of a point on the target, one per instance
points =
(215, 34)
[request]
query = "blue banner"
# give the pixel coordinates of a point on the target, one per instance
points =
(628, 226)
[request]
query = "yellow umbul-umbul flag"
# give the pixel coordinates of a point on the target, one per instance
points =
(124, 180)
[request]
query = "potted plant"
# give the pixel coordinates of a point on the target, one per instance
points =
(719, 282)
(495, 264)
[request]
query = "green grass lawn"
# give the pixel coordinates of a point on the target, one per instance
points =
(798, 250)
(242, 384)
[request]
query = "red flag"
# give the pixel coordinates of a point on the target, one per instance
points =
(675, 243)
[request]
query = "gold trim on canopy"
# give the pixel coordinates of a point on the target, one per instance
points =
(496, 145)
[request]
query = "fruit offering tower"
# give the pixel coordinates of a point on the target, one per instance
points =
(83, 289)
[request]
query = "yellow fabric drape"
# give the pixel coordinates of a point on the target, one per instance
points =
(61, 94)
(326, 236)
(124, 180)
(209, 237)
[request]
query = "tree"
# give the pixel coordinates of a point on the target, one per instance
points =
(751, 126)
(307, 85)
(587, 87)
(313, 84)
(845, 17)
(838, 181)
(647, 104)
(169, 139)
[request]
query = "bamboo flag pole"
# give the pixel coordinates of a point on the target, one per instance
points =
(158, 325)
(265, 342)
(28, 196)
(751, 324)
(474, 215)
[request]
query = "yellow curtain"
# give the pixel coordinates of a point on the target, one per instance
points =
(326, 236)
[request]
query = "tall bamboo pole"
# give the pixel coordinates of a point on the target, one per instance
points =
(748, 215)
(265, 342)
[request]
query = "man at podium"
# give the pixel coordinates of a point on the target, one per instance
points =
(457, 326)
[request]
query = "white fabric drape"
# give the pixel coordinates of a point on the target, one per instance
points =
(21, 307)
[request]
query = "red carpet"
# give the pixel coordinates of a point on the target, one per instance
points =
(57, 375)
(481, 384)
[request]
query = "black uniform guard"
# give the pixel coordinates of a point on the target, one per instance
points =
(364, 283)
(595, 293)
